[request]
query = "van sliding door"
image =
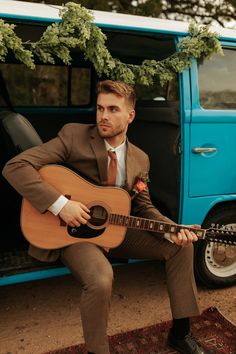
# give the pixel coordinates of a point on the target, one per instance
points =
(213, 126)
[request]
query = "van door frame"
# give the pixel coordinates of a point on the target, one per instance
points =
(195, 209)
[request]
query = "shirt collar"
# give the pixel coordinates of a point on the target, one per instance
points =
(117, 148)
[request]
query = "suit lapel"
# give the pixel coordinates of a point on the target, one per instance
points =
(130, 167)
(99, 149)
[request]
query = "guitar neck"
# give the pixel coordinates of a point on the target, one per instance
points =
(133, 222)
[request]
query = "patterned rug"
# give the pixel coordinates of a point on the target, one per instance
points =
(211, 329)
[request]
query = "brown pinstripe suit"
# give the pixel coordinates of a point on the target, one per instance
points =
(80, 147)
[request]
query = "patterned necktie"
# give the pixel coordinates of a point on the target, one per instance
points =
(112, 169)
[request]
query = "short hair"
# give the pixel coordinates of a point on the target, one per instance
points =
(118, 88)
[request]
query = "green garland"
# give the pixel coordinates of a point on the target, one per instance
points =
(77, 29)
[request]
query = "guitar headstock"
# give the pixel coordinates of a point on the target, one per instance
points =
(221, 234)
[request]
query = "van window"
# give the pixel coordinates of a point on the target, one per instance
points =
(47, 85)
(134, 49)
(80, 86)
(217, 77)
(155, 92)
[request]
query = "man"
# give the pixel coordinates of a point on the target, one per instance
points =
(85, 149)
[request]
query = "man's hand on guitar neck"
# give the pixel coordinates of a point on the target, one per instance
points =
(185, 236)
(74, 213)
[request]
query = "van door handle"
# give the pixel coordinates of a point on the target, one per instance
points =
(198, 150)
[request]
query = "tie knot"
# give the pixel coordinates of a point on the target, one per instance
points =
(112, 154)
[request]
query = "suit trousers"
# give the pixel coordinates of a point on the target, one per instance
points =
(89, 264)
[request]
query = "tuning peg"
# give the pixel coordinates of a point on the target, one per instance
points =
(213, 225)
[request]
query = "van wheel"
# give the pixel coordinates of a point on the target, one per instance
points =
(215, 264)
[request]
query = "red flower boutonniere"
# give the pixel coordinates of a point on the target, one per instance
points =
(140, 184)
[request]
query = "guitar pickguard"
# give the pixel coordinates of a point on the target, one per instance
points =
(95, 226)
(84, 231)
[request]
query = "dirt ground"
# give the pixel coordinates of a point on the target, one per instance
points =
(39, 316)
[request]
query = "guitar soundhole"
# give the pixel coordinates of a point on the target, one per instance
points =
(98, 215)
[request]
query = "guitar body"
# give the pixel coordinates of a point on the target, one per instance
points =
(47, 231)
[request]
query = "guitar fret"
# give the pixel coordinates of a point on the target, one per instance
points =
(146, 224)
(130, 221)
(151, 225)
(121, 220)
(167, 228)
(133, 222)
(116, 219)
(156, 226)
(142, 224)
(173, 229)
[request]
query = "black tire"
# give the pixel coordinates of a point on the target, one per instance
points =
(215, 266)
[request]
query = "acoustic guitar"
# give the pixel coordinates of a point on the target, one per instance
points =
(109, 211)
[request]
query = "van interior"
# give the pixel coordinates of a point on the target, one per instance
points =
(35, 104)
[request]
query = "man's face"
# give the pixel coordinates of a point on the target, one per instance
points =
(114, 114)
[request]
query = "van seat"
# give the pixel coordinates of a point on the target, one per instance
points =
(17, 133)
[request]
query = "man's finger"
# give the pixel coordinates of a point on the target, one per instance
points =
(84, 208)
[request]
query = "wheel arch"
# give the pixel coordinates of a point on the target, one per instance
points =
(220, 206)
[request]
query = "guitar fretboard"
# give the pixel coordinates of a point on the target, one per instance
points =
(133, 222)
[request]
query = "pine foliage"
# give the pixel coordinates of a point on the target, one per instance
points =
(77, 30)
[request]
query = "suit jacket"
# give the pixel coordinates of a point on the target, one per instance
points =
(81, 148)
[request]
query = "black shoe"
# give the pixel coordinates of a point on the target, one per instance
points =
(188, 345)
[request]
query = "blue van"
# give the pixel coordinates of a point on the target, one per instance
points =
(187, 126)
